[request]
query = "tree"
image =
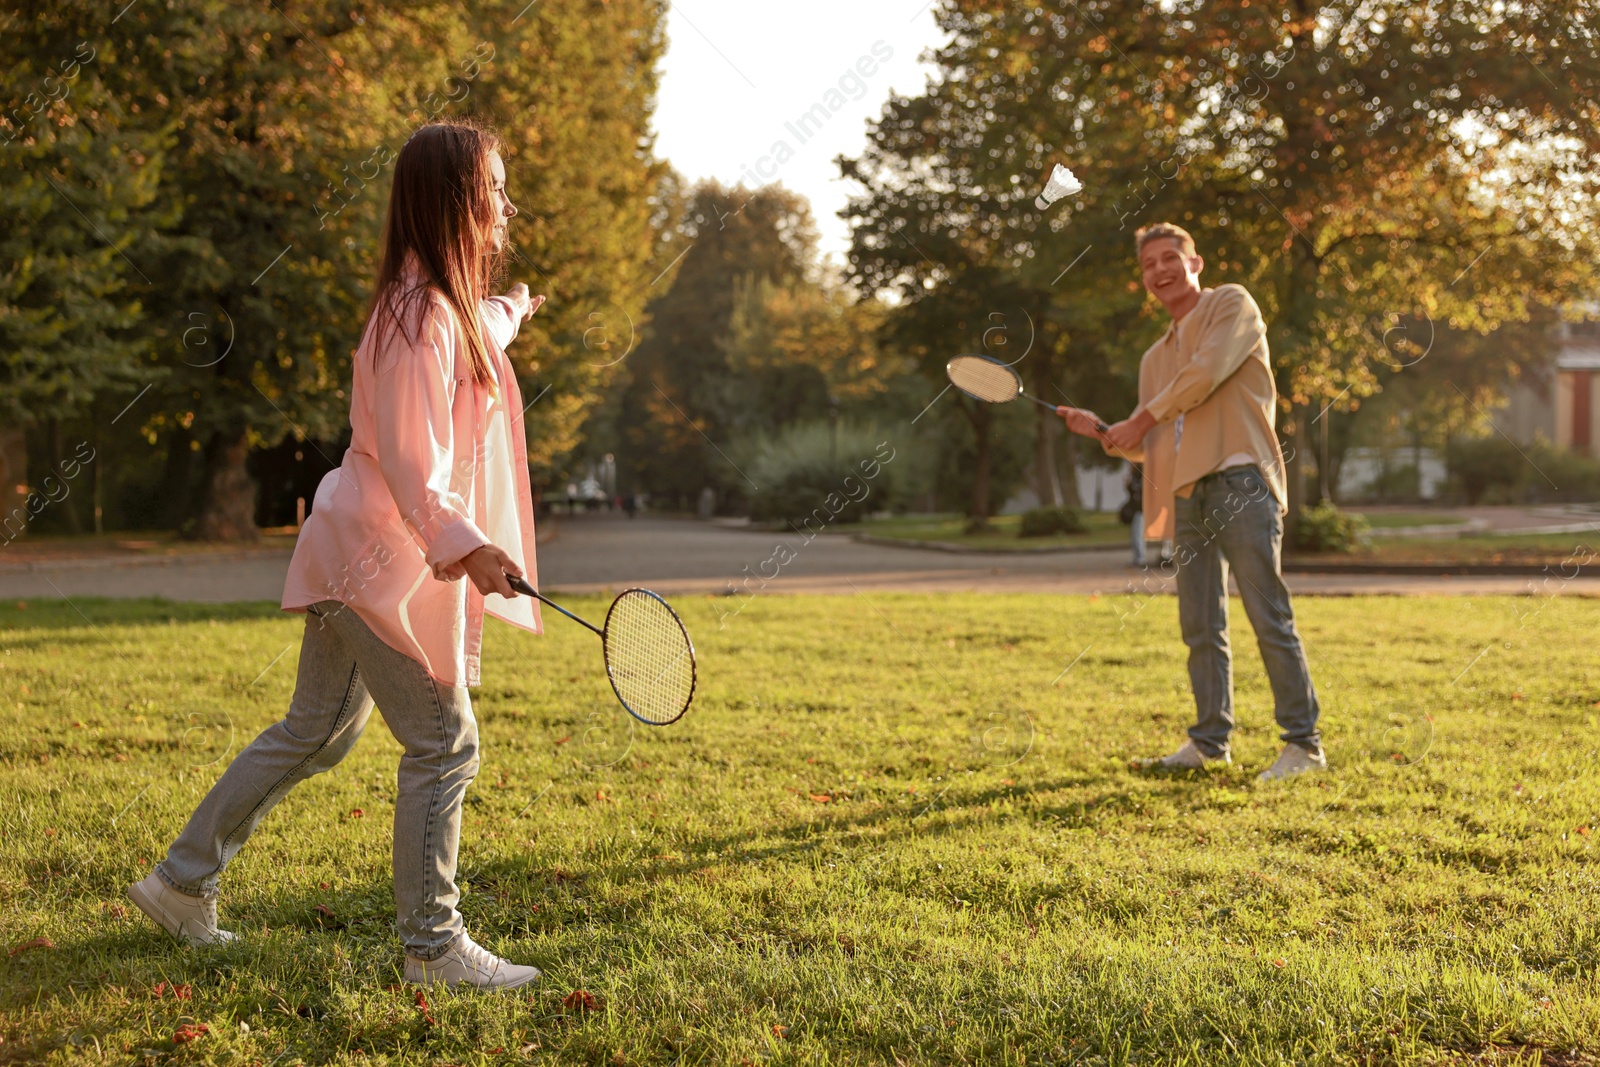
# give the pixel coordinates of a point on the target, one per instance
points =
(803, 341)
(572, 90)
(276, 126)
(682, 400)
(74, 196)
(1354, 164)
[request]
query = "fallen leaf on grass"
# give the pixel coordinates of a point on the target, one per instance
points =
(189, 1032)
(1280, 962)
(779, 1030)
(564, 740)
(1584, 830)
(820, 798)
(357, 813)
(179, 992)
(422, 1005)
(38, 942)
(581, 1000)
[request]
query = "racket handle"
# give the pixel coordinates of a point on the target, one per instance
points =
(521, 585)
(1102, 427)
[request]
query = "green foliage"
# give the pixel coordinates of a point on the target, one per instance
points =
(75, 195)
(801, 475)
(1495, 470)
(981, 451)
(1329, 161)
(219, 174)
(683, 401)
(1325, 528)
(1042, 522)
(572, 90)
(879, 828)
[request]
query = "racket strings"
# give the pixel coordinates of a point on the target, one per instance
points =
(649, 657)
(985, 380)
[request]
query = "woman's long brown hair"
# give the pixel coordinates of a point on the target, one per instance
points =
(442, 210)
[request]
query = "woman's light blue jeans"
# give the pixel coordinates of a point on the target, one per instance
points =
(344, 667)
(1232, 519)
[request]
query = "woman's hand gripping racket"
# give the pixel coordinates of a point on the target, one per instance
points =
(991, 381)
(649, 657)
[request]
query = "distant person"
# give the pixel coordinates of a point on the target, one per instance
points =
(378, 568)
(630, 504)
(1204, 430)
(1133, 511)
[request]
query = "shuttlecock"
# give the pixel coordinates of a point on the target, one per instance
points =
(1061, 183)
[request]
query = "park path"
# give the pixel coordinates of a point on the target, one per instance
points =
(593, 553)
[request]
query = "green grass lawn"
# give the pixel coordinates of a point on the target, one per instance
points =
(1582, 549)
(1391, 520)
(1104, 530)
(896, 829)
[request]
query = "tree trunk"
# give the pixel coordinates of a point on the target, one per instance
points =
(1067, 470)
(1046, 486)
(176, 493)
(228, 504)
(980, 468)
(69, 507)
(13, 482)
(1295, 467)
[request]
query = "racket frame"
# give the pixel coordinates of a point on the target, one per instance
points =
(1102, 427)
(694, 667)
(521, 585)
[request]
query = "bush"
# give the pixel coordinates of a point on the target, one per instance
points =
(795, 480)
(1494, 470)
(1395, 483)
(1042, 522)
(1324, 528)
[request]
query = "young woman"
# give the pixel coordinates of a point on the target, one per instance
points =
(433, 489)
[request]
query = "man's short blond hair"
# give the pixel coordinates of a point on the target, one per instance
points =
(1145, 234)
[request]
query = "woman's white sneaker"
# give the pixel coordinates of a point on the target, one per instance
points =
(466, 963)
(192, 920)
(1293, 760)
(1190, 758)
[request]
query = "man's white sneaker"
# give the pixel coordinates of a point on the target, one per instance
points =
(466, 963)
(1190, 758)
(192, 920)
(1294, 760)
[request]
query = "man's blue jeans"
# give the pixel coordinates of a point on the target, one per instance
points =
(1232, 519)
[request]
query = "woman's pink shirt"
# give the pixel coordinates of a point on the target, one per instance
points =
(437, 466)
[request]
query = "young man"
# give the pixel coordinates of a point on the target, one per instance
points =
(1214, 482)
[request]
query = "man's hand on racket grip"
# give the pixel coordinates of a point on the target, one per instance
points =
(1128, 434)
(526, 304)
(487, 566)
(1082, 421)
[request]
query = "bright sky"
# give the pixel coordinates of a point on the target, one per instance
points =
(739, 78)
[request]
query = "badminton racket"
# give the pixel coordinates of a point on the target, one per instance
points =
(649, 657)
(991, 381)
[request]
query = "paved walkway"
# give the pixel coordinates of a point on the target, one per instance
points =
(591, 553)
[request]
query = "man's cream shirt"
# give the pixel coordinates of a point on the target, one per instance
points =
(1211, 367)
